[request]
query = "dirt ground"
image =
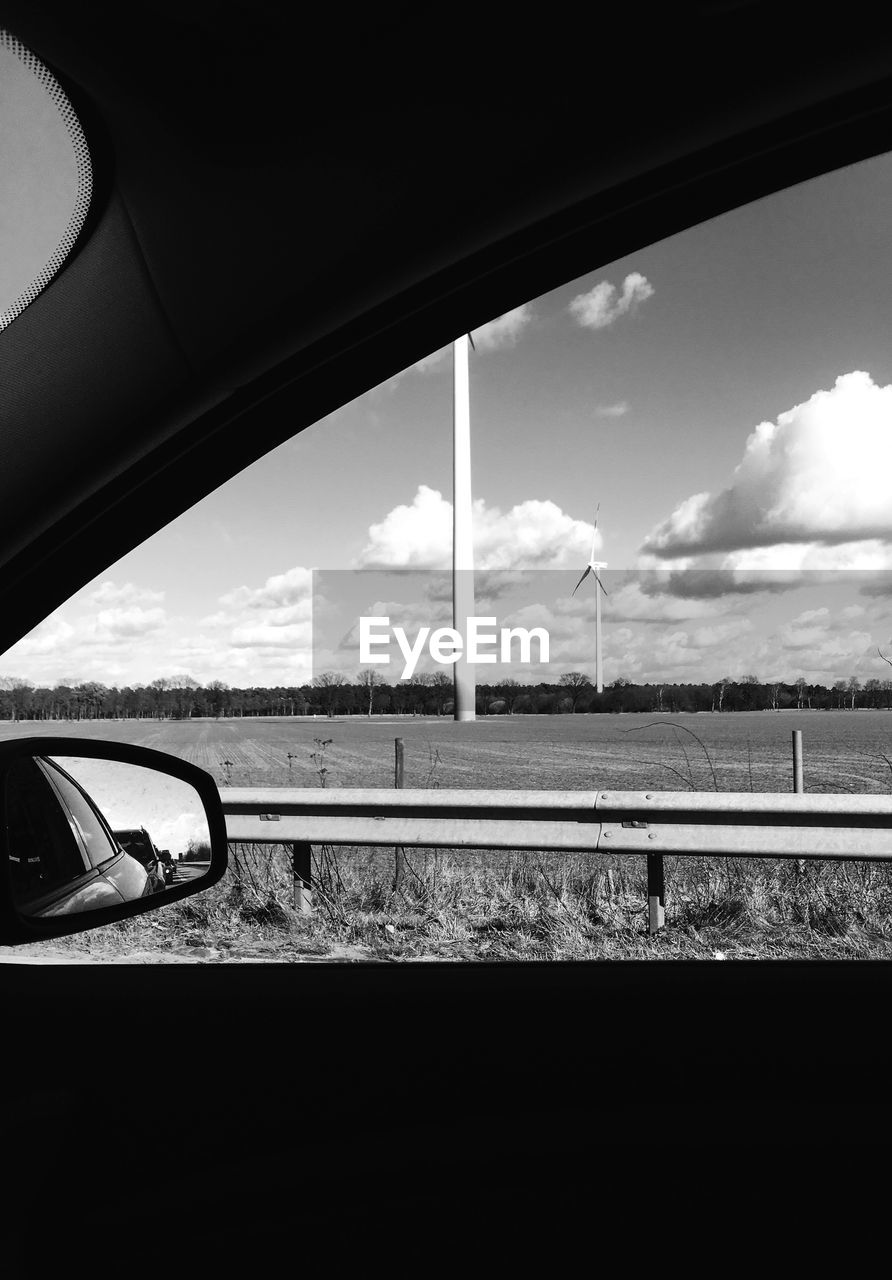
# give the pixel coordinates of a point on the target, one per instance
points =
(254, 953)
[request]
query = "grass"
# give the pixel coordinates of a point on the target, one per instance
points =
(521, 905)
(516, 906)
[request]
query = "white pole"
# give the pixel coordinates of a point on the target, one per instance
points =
(462, 530)
(599, 674)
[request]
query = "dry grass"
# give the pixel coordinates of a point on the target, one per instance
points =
(517, 906)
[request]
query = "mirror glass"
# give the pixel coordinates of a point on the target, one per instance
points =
(84, 834)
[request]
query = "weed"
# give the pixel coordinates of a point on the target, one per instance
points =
(318, 758)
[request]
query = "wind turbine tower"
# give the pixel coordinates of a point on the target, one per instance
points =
(464, 705)
(594, 567)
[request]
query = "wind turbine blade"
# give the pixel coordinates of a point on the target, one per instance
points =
(588, 570)
(603, 588)
(471, 340)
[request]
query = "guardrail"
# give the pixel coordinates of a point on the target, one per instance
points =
(652, 823)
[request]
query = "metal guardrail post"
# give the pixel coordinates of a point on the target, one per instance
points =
(301, 870)
(798, 783)
(656, 893)
(398, 779)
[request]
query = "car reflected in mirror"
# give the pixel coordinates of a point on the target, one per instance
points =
(85, 833)
(91, 835)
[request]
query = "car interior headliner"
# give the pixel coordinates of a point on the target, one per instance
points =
(290, 207)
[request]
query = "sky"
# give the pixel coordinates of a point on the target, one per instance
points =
(725, 395)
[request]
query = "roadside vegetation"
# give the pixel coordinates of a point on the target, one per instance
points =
(515, 906)
(486, 906)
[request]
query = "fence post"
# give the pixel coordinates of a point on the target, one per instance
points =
(301, 859)
(656, 893)
(798, 779)
(398, 778)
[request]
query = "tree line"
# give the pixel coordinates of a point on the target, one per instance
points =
(182, 698)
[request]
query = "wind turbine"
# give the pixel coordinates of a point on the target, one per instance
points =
(464, 704)
(595, 566)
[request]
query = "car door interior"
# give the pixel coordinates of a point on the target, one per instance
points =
(289, 207)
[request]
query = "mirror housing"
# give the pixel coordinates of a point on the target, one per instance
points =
(62, 846)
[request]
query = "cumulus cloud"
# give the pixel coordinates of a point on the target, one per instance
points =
(531, 535)
(811, 491)
(221, 655)
(282, 590)
(110, 593)
(827, 644)
(416, 536)
(504, 331)
(127, 623)
(263, 633)
(102, 645)
(496, 335)
(601, 306)
(51, 636)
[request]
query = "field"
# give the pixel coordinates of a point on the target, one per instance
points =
(522, 905)
(844, 750)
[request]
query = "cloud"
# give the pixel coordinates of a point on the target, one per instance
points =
(489, 585)
(128, 623)
(812, 490)
(827, 646)
(53, 635)
(719, 635)
(875, 584)
(713, 584)
(531, 535)
(600, 307)
(618, 410)
(427, 363)
(288, 590)
(271, 636)
(262, 634)
(109, 593)
(495, 335)
(504, 331)
(105, 645)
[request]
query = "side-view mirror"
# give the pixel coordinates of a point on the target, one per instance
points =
(92, 832)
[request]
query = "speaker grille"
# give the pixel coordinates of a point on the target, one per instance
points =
(84, 176)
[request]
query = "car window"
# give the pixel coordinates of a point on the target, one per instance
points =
(679, 513)
(138, 845)
(85, 822)
(45, 853)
